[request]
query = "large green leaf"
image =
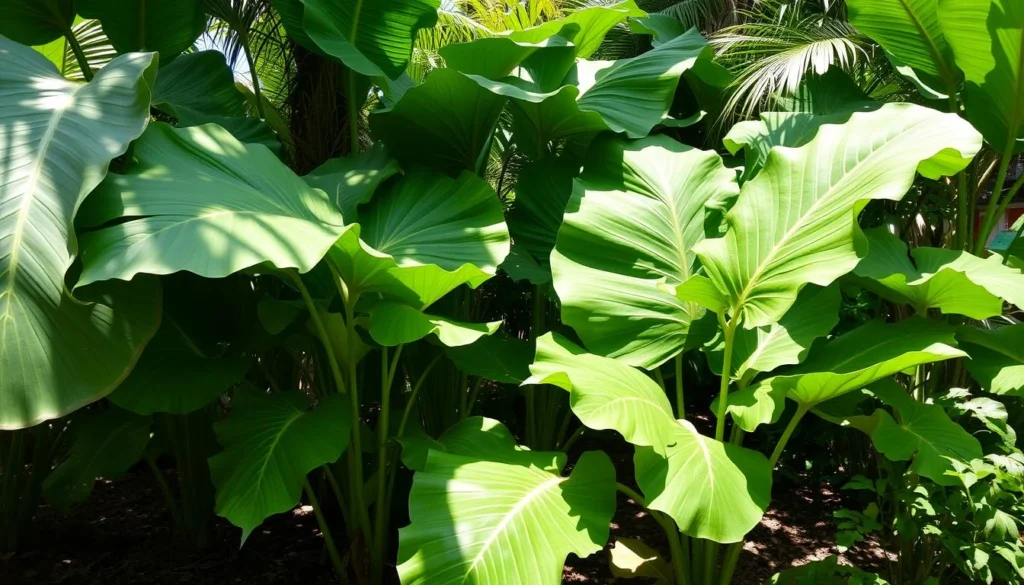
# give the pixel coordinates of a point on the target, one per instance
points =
(713, 490)
(910, 31)
(997, 357)
(351, 181)
(200, 81)
(58, 353)
(445, 124)
(671, 456)
(394, 324)
(164, 26)
(987, 37)
(795, 223)
(421, 236)
(170, 377)
(200, 200)
(37, 22)
(923, 432)
(544, 62)
(105, 444)
(478, 519)
(632, 559)
(865, 355)
(271, 441)
(94, 44)
(372, 37)
(787, 342)
(594, 22)
(952, 281)
(636, 213)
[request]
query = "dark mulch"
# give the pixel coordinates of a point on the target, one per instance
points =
(122, 535)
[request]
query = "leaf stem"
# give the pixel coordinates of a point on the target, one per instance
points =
(990, 217)
(723, 395)
(332, 550)
(353, 114)
(321, 331)
(680, 563)
(83, 62)
(412, 396)
(786, 434)
(243, 36)
(381, 507)
(680, 404)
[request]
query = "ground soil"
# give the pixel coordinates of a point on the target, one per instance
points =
(122, 535)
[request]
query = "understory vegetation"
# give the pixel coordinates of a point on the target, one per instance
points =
(425, 266)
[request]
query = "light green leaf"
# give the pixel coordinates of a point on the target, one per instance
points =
(909, 30)
(671, 456)
(244, 129)
(165, 26)
(787, 342)
(495, 357)
(544, 62)
(171, 378)
(475, 437)
(423, 235)
(59, 353)
(636, 213)
(594, 22)
(495, 523)
(445, 124)
(271, 441)
(952, 281)
(923, 432)
(200, 200)
(833, 92)
(795, 223)
(997, 357)
(865, 355)
(660, 27)
(606, 393)
(105, 444)
(200, 81)
(373, 37)
(987, 37)
(37, 22)
(632, 559)
(713, 490)
(394, 324)
(827, 571)
(351, 181)
(753, 406)
(699, 289)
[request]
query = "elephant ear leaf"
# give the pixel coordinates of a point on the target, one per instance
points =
(864, 356)
(271, 441)
(987, 37)
(924, 433)
(394, 324)
(105, 443)
(997, 357)
(165, 27)
(608, 394)
(795, 223)
(421, 236)
(371, 37)
(911, 32)
(351, 181)
(200, 200)
(636, 214)
(526, 516)
(58, 142)
(592, 24)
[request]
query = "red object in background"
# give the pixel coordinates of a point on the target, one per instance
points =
(1013, 213)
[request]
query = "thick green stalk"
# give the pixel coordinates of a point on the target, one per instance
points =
(243, 36)
(680, 404)
(680, 563)
(356, 448)
(723, 394)
(172, 503)
(381, 508)
(990, 216)
(732, 557)
(412, 396)
(786, 434)
(83, 62)
(332, 550)
(321, 331)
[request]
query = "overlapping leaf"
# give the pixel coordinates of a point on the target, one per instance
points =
(795, 223)
(200, 200)
(394, 324)
(636, 213)
(423, 235)
(997, 357)
(527, 517)
(165, 26)
(58, 353)
(671, 456)
(271, 441)
(351, 181)
(952, 281)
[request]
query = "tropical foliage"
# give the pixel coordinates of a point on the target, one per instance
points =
(432, 258)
